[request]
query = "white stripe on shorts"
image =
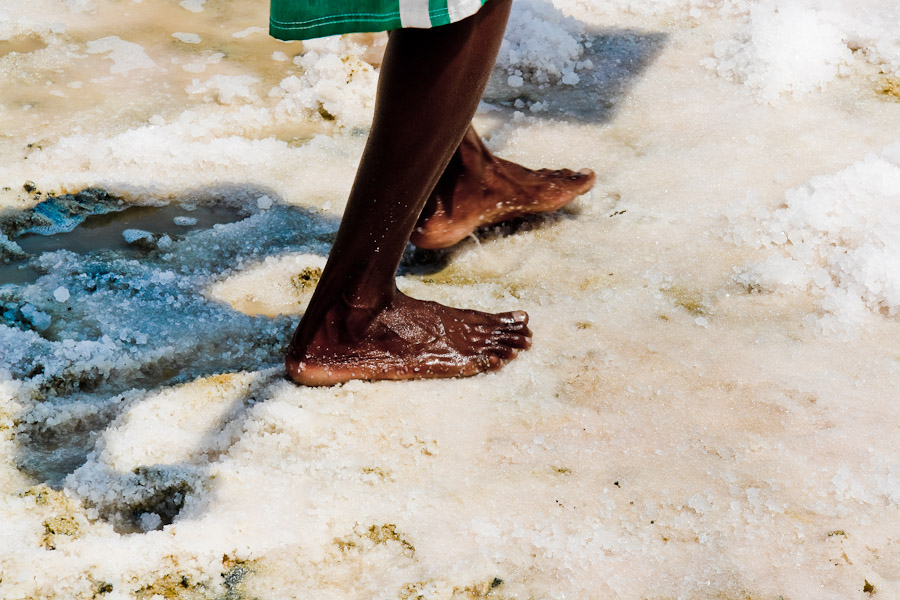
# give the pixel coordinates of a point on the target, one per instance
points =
(414, 13)
(460, 9)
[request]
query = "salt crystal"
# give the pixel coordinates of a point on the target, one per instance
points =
(164, 243)
(132, 236)
(61, 294)
(184, 221)
(40, 320)
(515, 81)
(264, 202)
(150, 521)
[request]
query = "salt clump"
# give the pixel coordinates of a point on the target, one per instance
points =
(541, 45)
(335, 83)
(9, 249)
(785, 48)
(225, 89)
(61, 294)
(795, 47)
(839, 237)
(40, 320)
(133, 236)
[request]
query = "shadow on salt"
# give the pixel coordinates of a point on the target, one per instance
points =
(135, 317)
(618, 58)
(52, 453)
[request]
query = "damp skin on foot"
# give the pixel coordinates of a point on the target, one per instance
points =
(478, 189)
(436, 187)
(407, 339)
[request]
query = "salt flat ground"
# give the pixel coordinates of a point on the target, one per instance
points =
(710, 408)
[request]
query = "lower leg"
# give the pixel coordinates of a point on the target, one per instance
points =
(357, 325)
(479, 189)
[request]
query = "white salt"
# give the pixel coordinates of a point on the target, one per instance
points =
(150, 521)
(187, 38)
(126, 56)
(225, 89)
(249, 31)
(164, 243)
(192, 5)
(132, 236)
(40, 320)
(61, 294)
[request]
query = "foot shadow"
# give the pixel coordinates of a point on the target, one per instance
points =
(618, 58)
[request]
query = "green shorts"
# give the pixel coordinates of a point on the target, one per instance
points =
(305, 19)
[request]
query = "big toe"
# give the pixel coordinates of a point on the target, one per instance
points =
(579, 182)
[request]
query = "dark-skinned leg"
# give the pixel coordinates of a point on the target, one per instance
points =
(357, 325)
(479, 189)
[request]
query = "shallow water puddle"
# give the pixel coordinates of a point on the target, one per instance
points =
(107, 232)
(22, 45)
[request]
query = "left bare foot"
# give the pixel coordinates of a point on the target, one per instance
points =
(479, 189)
(405, 339)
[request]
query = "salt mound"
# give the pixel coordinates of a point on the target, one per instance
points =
(335, 83)
(338, 76)
(839, 237)
(792, 48)
(541, 45)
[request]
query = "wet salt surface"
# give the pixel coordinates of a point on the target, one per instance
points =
(709, 409)
(105, 232)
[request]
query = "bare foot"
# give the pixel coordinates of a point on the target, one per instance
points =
(408, 339)
(479, 189)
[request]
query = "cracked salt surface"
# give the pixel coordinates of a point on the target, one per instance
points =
(709, 409)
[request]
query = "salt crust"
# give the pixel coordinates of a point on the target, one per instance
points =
(126, 56)
(618, 497)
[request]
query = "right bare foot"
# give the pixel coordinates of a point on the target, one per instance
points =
(408, 339)
(478, 189)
